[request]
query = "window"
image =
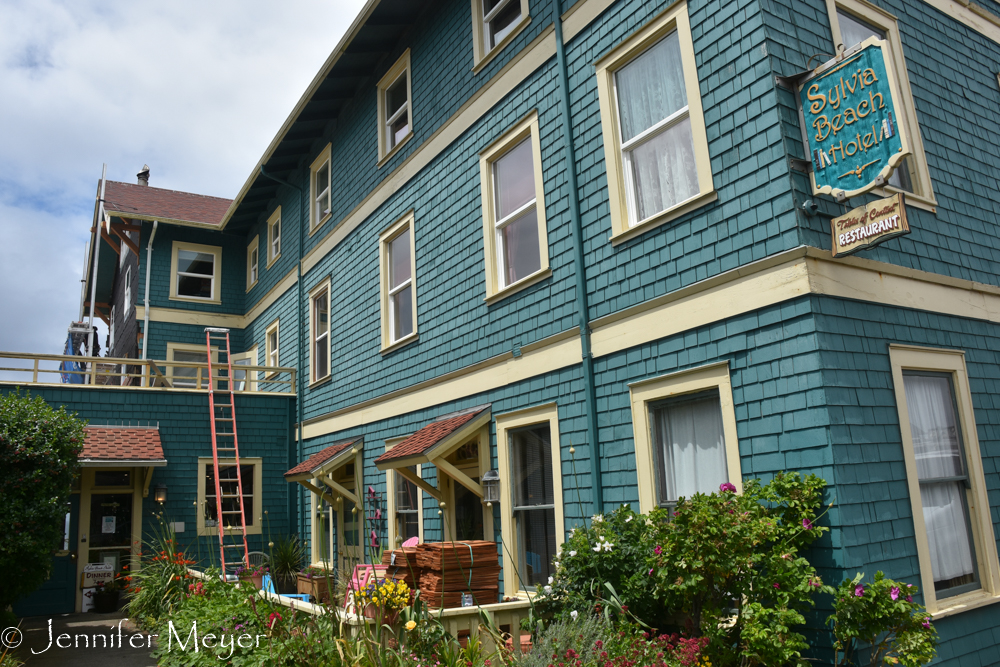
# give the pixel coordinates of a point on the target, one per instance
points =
(250, 470)
(248, 358)
(320, 190)
(655, 146)
(405, 504)
(495, 23)
(399, 303)
(253, 262)
(195, 269)
(128, 291)
(852, 22)
(111, 333)
(395, 118)
(192, 377)
(516, 243)
(532, 512)
(684, 428)
(271, 346)
(274, 237)
(319, 332)
(956, 548)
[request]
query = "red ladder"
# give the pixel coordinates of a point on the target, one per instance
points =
(223, 414)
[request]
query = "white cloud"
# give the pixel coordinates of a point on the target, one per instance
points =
(194, 89)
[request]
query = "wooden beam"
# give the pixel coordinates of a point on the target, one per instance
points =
(326, 479)
(432, 491)
(147, 477)
(98, 304)
(114, 246)
(459, 476)
(123, 235)
(127, 224)
(318, 491)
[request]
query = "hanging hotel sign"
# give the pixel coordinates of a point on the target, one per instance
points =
(851, 121)
(867, 226)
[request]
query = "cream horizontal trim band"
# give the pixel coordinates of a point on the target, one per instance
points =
(971, 14)
(782, 277)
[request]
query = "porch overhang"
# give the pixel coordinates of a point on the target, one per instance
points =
(122, 447)
(321, 466)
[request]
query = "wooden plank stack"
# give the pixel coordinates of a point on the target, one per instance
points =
(406, 567)
(449, 569)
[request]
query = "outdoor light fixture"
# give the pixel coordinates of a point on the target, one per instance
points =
(160, 493)
(491, 487)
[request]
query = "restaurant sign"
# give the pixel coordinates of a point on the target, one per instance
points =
(867, 226)
(851, 121)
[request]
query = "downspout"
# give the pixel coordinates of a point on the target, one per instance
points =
(583, 308)
(97, 256)
(302, 343)
(149, 263)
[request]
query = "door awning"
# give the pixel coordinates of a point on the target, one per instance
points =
(323, 464)
(120, 446)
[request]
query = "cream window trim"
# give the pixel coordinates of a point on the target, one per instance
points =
(272, 351)
(204, 464)
(673, 19)
(319, 289)
(923, 191)
(216, 251)
(172, 348)
(252, 357)
(253, 262)
(483, 55)
(693, 381)
(316, 189)
(951, 362)
(541, 414)
(273, 237)
(525, 129)
(390, 486)
(401, 68)
(315, 501)
(402, 226)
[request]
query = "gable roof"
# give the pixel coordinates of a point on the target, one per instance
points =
(116, 445)
(143, 202)
(432, 434)
(315, 462)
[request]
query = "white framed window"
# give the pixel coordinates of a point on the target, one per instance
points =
(273, 237)
(395, 114)
(516, 242)
(852, 22)
(320, 190)
(319, 332)
(111, 333)
(398, 289)
(271, 346)
(684, 429)
(127, 305)
(189, 377)
(404, 504)
(253, 262)
(495, 23)
(655, 144)
(123, 249)
(532, 521)
(195, 271)
(251, 473)
(240, 376)
(956, 547)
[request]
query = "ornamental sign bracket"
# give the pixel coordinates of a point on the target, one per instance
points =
(849, 107)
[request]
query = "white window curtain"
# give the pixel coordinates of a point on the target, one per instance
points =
(938, 451)
(690, 448)
(516, 214)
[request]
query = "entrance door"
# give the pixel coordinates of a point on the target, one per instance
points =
(110, 529)
(351, 548)
(58, 594)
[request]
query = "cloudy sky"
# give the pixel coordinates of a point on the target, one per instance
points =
(194, 89)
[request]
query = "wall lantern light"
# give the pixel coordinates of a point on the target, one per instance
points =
(160, 493)
(491, 487)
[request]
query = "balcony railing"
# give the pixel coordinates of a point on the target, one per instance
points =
(66, 370)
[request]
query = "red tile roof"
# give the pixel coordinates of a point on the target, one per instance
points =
(145, 202)
(114, 443)
(317, 460)
(430, 435)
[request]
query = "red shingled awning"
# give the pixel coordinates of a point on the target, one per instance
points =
(324, 460)
(106, 446)
(435, 438)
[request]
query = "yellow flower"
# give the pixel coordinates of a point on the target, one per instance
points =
(410, 625)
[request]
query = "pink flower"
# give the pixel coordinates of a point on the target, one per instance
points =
(894, 593)
(807, 524)
(909, 598)
(776, 585)
(859, 590)
(658, 550)
(651, 571)
(726, 486)
(927, 623)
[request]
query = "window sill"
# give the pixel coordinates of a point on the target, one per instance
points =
(214, 532)
(666, 216)
(273, 260)
(319, 224)
(192, 299)
(916, 201)
(395, 149)
(315, 383)
(966, 602)
(521, 284)
(250, 287)
(500, 47)
(402, 342)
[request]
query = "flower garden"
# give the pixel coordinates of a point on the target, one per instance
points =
(717, 580)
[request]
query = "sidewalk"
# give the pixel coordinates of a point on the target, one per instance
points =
(94, 641)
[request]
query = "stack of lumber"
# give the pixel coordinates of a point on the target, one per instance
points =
(405, 569)
(449, 569)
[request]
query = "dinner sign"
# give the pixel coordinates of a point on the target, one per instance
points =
(851, 117)
(867, 226)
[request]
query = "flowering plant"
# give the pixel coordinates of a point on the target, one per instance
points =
(385, 594)
(880, 619)
(244, 571)
(313, 572)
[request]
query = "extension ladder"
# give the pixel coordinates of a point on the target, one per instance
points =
(223, 420)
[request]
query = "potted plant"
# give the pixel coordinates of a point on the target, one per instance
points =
(253, 574)
(105, 596)
(285, 561)
(383, 599)
(317, 582)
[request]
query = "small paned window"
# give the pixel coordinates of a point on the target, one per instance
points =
(111, 333)
(320, 325)
(533, 502)
(253, 261)
(395, 114)
(274, 236)
(320, 190)
(500, 17)
(271, 345)
(399, 307)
